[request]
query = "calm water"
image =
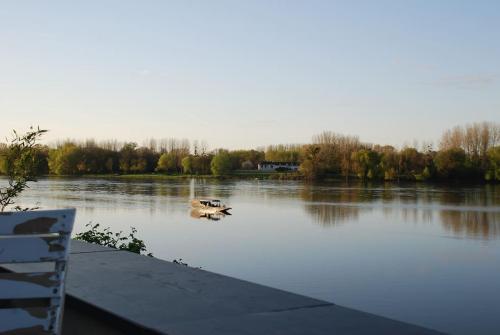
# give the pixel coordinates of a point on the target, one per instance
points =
(429, 255)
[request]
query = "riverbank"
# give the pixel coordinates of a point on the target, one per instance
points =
(254, 174)
(243, 174)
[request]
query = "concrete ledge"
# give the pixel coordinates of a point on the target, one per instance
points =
(311, 321)
(149, 296)
(79, 247)
(159, 293)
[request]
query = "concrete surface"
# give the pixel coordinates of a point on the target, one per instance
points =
(168, 298)
(320, 320)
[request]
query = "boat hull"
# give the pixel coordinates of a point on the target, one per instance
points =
(213, 210)
(202, 208)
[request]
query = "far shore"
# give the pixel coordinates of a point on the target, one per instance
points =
(251, 174)
(265, 175)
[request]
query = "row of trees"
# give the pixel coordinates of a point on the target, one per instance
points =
(471, 152)
(111, 157)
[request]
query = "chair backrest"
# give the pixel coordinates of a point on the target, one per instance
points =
(33, 302)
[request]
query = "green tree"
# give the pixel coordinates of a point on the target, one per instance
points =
(307, 169)
(66, 160)
(127, 157)
(201, 164)
(283, 153)
(221, 163)
(144, 161)
(389, 163)
(493, 171)
(451, 163)
(410, 163)
(167, 163)
(310, 167)
(187, 164)
(366, 163)
(253, 156)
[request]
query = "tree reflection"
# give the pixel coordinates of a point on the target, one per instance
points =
(329, 214)
(329, 207)
(469, 211)
(471, 223)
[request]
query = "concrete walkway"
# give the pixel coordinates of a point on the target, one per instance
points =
(156, 296)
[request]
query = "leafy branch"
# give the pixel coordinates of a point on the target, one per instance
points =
(117, 240)
(19, 164)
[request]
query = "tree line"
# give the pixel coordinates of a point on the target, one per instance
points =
(112, 157)
(465, 152)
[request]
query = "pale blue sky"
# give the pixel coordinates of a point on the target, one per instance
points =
(248, 73)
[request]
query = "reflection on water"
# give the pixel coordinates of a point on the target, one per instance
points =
(327, 207)
(471, 223)
(472, 212)
(327, 214)
(460, 222)
(468, 211)
(388, 249)
(197, 214)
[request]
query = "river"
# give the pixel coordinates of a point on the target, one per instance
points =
(421, 253)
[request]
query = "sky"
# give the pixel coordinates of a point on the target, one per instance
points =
(244, 74)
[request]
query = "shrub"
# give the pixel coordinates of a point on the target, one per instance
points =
(108, 238)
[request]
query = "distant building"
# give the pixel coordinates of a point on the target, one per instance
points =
(277, 166)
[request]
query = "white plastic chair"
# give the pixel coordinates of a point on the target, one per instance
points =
(33, 302)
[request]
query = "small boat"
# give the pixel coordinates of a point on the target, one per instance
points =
(209, 206)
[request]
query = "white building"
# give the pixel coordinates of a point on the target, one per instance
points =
(277, 166)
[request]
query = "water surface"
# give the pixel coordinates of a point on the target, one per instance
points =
(425, 254)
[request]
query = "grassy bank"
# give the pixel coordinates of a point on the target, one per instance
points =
(239, 174)
(253, 174)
